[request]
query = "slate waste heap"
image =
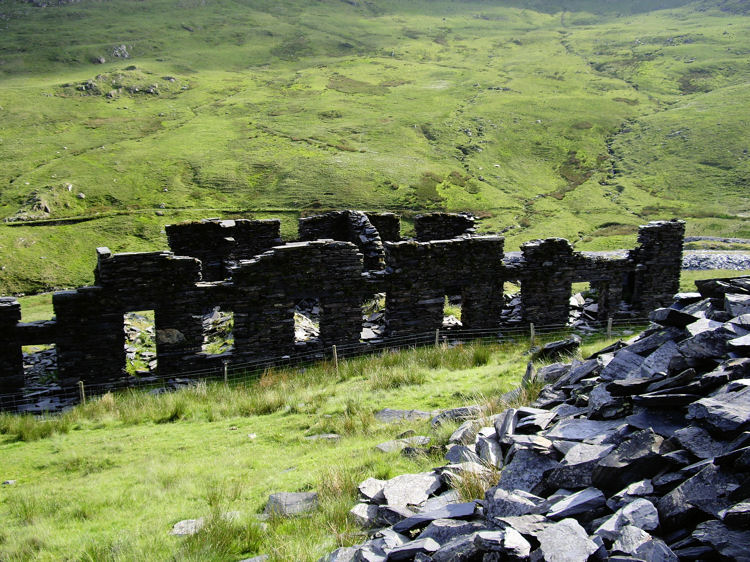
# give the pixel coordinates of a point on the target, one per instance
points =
(640, 452)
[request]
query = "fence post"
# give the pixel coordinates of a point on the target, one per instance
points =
(81, 392)
(226, 371)
(437, 337)
(609, 327)
(532, 334)
(335, 358)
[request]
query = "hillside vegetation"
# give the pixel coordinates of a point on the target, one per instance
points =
(582, 121)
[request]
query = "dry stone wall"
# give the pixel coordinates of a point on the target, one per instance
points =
(243, 268)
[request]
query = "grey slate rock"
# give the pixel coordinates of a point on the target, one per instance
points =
(465, 433)
(630, 493)
(459, 549)
(437, 502)
(500, 502)
(702, 325)
(577, 467)
(343, 554)
(508, 542)
(699, 442)
(704, 493)
(287, 504)
(737, 305)
(372, 489)
(727, 413)
(647, 344)
(731, 543)
(660, 359)
(411, 549)
(462, 413)
(525, 471)
(365, 514)
(671, 317)
(461, 453)
(388, 415)
(629, 539)
(528, 525)
(625, 365)
(566, 541)
(552, 373)
(641, 513)
(634, 459)
(489, 451)
(738, 515)
(410, 489)
(391, 514)
(604, 406)
(662, 422)
(535, 423)
(452, 511)
(580, 429)
(706, 345)
(578, 372)
(585, 501)
(444, 530)
(505, 425)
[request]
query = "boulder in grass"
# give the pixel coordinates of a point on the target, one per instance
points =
(187, 527)
(287, 504)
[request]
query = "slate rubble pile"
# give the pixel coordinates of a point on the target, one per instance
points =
(640, 452)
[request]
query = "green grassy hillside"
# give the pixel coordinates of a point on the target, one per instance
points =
(580, 122)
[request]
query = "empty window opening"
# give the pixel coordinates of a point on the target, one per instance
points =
(39, 364)
(140, 343)
(373, 317)
(307, 320)
(218, 332)
(512, 309)
(584, 304)
(452, 311)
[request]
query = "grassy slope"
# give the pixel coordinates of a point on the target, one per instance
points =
(582, 123)
(108, 480)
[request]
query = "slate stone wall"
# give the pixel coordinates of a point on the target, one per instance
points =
(11, 359)
(348, 226)
(218, 243)
(262, 291)
(657, 262)
(422, 274)
(387, 224)
(443, 226)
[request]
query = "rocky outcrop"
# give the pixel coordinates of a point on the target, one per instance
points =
(641, 452)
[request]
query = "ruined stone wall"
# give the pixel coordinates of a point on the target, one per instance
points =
(657, 262)
(347, 226)
(262, 291)
(422, 274)
(443, 226)
(218, 243)
(387, 224)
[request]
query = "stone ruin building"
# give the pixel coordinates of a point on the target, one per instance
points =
(342, 260)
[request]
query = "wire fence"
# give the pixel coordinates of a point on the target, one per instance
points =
(56, 398)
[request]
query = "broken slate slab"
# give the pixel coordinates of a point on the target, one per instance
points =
(577, 467)
(698, 441)
(187, 527)
(454, 414)
(500, 502)
(452, 511)
(489, 451)
(730, 543)
(726, 413)
(671, 317)
(409, 550)
(566, 541)
(388, 415)
(444, 530)
(585, 501)
(372, 489)
(580, 429)
(634, 459)
(365, 514)
(287, 504)
(625, 365)
(461, 453)
(411, 489)
(706, 493)
(525, 471)
(508, 542)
